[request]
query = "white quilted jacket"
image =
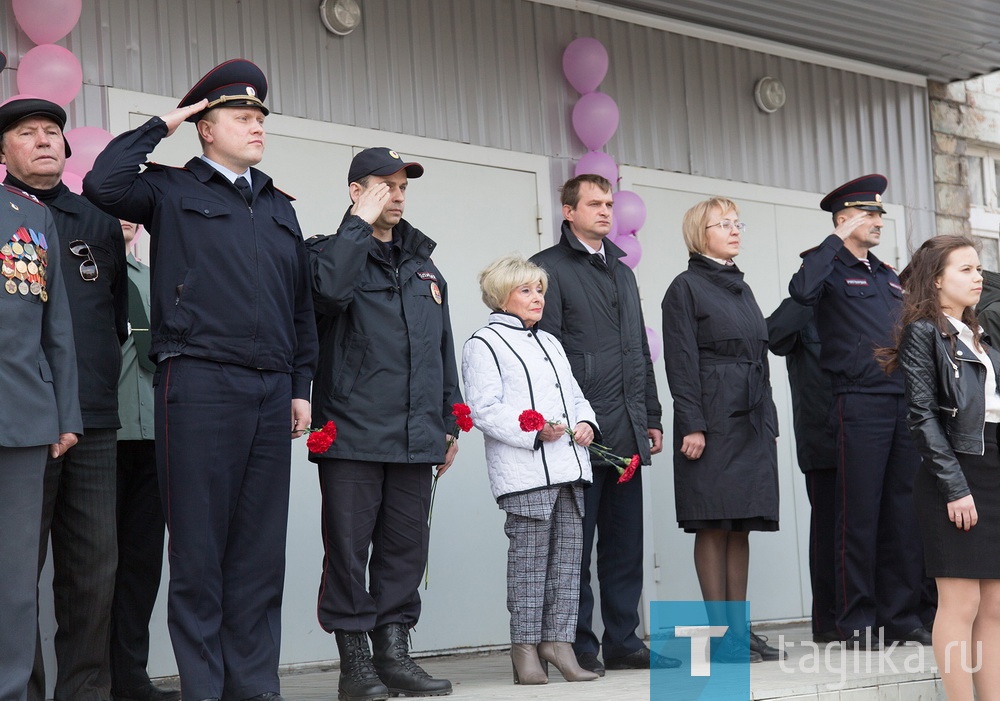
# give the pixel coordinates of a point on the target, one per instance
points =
(508, 368)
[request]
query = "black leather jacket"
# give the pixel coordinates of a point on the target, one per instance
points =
(946, 405)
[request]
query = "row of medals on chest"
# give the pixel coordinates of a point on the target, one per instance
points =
(24, 261)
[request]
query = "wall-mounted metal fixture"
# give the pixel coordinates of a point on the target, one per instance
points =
(340, 16)
(769, 94)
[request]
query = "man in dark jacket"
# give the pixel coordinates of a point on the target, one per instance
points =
(79, 508)
(234, 336)
(792, 333)
(592, 307)
(387, 378)
(988, 309)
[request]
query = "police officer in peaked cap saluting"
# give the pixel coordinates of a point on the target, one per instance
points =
(234, 337)
(858, 300)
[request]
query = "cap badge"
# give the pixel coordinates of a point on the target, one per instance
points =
(14, 207)
(251, 92)
(394, 154)
(878, 198)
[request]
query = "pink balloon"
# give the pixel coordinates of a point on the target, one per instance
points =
(655, 344)
(629, 211)
(87, 144)
(633, 249)
(585, 63)
(50, 72)
(73, 181)
(595, 119)
(598, 163)
(47, 21)
(613, 231)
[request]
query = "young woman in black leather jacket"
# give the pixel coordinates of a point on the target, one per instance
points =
(953, 413)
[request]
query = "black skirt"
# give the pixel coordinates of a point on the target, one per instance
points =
(951, 551)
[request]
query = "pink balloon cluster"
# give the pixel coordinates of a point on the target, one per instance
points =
(87, 144)
(49, 71)
(595, 120)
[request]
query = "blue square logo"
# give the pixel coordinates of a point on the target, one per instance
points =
(712, 641)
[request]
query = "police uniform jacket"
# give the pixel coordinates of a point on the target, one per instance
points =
(792, 332)
(594, 310)
(388, 377)
(99, 307)
(856, 312)
(946, 400)
(507, 368)
(230, 281)
(715, 349)
(39, 372)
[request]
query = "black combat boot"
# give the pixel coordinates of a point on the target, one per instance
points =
(395, 667)
(358, 679)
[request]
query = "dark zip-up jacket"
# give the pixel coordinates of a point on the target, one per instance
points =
(988, 309)
(230, 282)
(99, 307)
(594, 310)
(856, 312)
(946, 401)
(387, 375)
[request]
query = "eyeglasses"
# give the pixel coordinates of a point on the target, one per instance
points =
(728, 225)
(88, 268)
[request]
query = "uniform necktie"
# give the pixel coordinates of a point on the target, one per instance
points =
(244, 187)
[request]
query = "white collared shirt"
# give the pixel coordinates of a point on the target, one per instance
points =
(990, 389)
(230, 175)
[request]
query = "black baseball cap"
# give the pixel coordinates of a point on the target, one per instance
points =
(17, 108)
(380, 161)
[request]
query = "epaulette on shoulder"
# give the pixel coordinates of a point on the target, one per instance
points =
(153, 165)
(290, 198)
(890, 267)
(807, 251)
(18, 191)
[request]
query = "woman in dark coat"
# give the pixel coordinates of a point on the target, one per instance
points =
(725, 424)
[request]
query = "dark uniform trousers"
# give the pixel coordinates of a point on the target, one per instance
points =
(140, 563)
(879, 557)
(385, 506)
(223, 453)
(80, 488)
(22, 472)
(821, 487)
(615, 510)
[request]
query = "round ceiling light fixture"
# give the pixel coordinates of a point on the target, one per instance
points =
(340, 16)
(769, 94)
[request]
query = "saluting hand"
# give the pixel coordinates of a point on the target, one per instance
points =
(962, 512)
(371, 202)
(66, 441)
(847, 227)
(176, 117)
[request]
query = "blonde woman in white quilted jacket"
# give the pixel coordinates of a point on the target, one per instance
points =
(510, 366)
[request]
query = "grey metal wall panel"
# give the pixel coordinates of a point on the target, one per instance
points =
(489, 72)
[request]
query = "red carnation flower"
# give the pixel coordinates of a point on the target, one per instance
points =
(629, 472)
(320, 439)
(461, 410)
(464, 423)
(531, 421)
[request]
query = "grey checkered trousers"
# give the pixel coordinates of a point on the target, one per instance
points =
(545, 528)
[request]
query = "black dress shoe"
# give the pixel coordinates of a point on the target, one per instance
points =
(863, 642)
(266, 696)
(147, 693)
(917, 635)
(830, 636)
(758, 643)
(589, 662)
(643, 658)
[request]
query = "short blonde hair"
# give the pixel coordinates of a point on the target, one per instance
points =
(504, 275)
(696, 219)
